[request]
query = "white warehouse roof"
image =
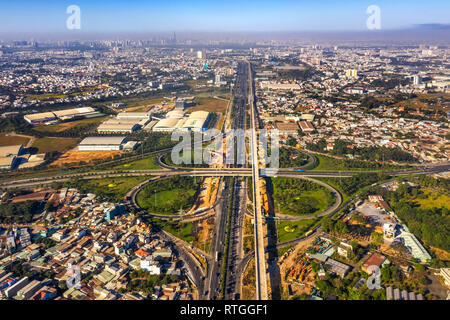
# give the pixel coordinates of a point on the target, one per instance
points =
(103, 141)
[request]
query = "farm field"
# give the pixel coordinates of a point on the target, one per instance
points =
(54, 144)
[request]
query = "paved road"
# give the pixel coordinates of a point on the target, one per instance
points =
(233, 280)
(218, 242)
(260, 263)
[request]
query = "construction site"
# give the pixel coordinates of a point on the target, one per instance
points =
(296, 266)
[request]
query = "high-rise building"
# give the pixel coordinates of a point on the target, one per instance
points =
(351, 73)
(417, 80)
(201, 54)
(217, 78)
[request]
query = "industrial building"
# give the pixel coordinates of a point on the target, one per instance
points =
(60, 115)
(175, 120)
(134, 115)
(125, 122)
(9, 156)
(306, 126)
(414, 246)
(168, 125)
(337, 267)
(196, 121)
(176, 113)
(287, 128)
(102, 144)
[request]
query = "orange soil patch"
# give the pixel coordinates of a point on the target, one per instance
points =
(73, 157)
(206, 230)
(441, 254)
(208, 194)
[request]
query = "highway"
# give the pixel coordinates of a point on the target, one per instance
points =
(260, 263)
(218, 242)
(223, 220)
(239, 206)
(239, 200)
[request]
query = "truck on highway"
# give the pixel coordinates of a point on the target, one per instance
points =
(217, 256)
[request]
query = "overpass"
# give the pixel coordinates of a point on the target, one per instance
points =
(209, 172)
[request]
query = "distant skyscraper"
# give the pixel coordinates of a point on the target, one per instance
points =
(174, 39)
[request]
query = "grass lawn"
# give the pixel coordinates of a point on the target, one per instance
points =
(161, 198)
(289, 230)
(64, 126)
(178, 229)
(434, 200)
(318, 200)
(147, 163)
(54, 144)
(113, 187)
(335, 185)
(11, 140)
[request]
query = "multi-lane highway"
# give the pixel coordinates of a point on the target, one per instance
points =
(239, 203)
(260, 263)
(217, 242)
(224, 221)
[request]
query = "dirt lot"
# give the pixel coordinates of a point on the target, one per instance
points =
(299, 249)
(63, 126)
(13, 139)
(73, 156)
(208, 104)
(54, 144)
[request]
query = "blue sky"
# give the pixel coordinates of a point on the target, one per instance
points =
(230, 15)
